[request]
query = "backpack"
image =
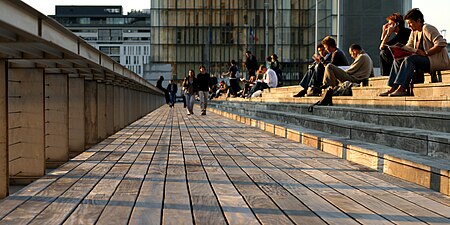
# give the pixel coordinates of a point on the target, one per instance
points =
(327, 99)
(344, 89)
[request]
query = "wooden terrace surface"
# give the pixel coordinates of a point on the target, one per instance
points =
(170, 168)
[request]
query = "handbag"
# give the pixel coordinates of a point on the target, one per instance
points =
(327, 99)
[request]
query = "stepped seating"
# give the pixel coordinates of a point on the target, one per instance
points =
(411, 132)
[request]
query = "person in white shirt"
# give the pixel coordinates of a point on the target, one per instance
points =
(270, 77)
(269, 80)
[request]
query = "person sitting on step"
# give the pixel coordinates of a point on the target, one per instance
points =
(314, 77)
(430, 54)
(269, 80)
(359, 70)
(395, 25)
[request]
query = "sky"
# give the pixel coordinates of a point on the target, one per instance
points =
(436, 12)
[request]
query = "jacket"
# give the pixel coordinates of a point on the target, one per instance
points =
(362, 67)
(431, 37)
(204, 81)
(175, 88)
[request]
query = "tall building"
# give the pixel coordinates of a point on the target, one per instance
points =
(187, 34)
(125, 38)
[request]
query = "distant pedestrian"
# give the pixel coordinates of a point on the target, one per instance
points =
(160, 87)
(190, 89)
(251, 64)
(172, 89)
(204, 87)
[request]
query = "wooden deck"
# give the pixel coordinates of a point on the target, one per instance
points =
(170, 168)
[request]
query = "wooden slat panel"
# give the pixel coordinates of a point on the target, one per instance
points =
(26, 123)
(56, 119)
(4, 173)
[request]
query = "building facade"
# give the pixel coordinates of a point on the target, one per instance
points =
(187, 34)
(125, 38)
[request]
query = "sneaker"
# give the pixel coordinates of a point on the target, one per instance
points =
(203, 112)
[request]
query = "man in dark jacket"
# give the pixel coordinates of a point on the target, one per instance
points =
(251, 64)
(172, 89)
(204, 86)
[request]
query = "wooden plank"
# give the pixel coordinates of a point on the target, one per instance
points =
(316, 203)
(233, 205)
(265, 210)
(373, 204)
(89, 210)
(177, 204)
(119, 207)
(94, 203)
(352, 176)
(407, 201)
(205, 206)
(149, 203)
(13, 201)
(31, 208)
(58, 211)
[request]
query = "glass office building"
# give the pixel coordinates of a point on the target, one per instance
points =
(125, 38)
(187, 34)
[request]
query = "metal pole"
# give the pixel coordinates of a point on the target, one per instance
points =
(275, 46)
(338, 23)
(317, 26)
(266, 6)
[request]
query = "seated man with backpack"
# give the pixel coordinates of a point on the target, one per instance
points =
(360, 70)
(311, 84)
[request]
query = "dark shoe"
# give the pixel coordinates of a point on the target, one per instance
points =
(312, 94)
(398, 93)
(204, 112)
(300, 94)
(386, 93)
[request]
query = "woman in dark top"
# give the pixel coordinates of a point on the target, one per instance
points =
(190, 87)
(395, 25)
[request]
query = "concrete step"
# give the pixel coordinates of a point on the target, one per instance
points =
(424, 142)
(437, 104)
(427, 171)
(432, 121)
(381, 81)
(420, 90)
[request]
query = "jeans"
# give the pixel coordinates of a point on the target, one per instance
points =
(173, 98)
(313, 77)
(190, 102)
(386, 61)
(203, 99)
(403, 70)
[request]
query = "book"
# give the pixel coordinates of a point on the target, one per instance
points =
(399, 53)
(343, 67)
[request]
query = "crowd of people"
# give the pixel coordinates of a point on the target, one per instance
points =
(425, 52)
